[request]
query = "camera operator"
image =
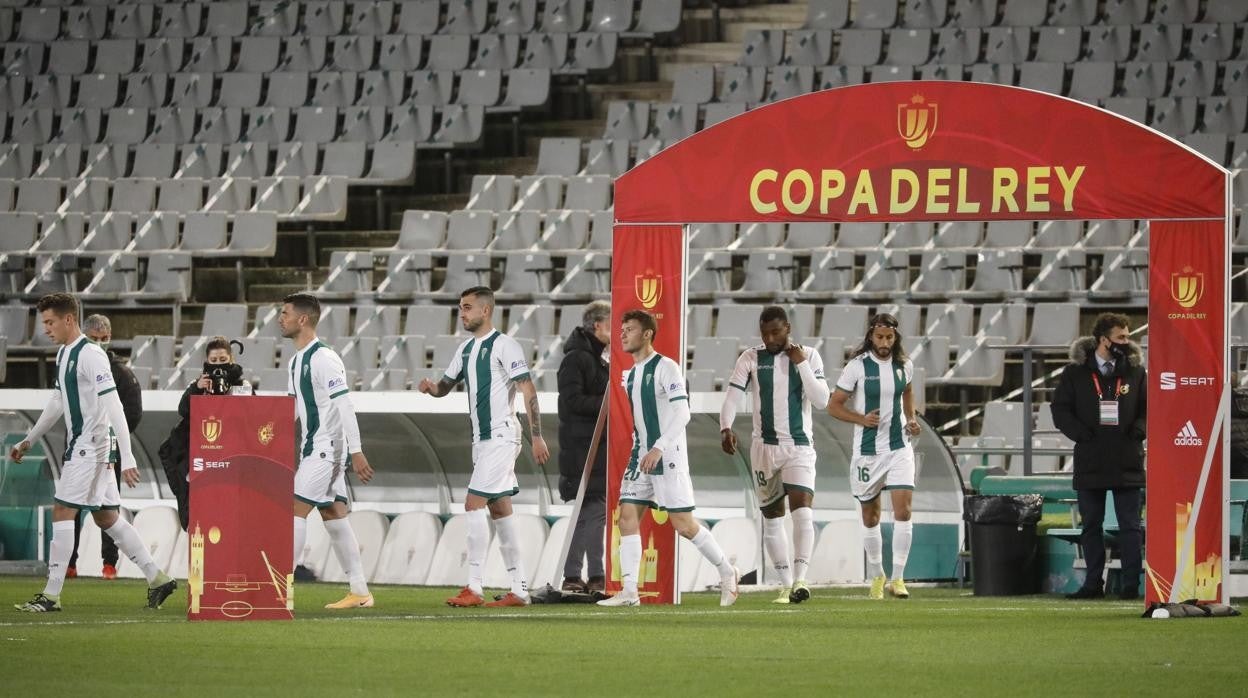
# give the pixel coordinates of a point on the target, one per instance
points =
(221, 376)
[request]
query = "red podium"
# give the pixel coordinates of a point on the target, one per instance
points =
(242, 481)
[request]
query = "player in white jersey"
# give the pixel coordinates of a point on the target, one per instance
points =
(878, 379)
(492, 367)
(658, 467)
(86, 397)
(785, 380)
(329, 435)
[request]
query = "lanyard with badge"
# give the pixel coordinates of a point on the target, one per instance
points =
(1108, 408)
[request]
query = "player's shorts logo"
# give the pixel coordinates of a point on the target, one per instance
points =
(916, 121)
(649, 288)
(1187, 287)
(211, 429)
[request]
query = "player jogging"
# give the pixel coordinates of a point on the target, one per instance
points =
(878, 379)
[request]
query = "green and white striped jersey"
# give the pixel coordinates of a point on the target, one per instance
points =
(317, 376)
(653, 386)
(877, 384)
(83, 376)
(489, 366)
(781, 406)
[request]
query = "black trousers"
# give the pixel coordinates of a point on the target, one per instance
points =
(1127, 503)
(588, 536)
(108, 548)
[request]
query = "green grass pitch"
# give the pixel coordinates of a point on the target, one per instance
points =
(940, 642)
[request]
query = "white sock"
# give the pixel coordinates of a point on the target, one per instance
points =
(803, 541)
(131, 545)
(709, 547)
(630, 562)
(873, 543)
(510, 548)
(61, 550)
(478, 541)
(347, 548)
(777, 543)
(903, 533)
(301, 538)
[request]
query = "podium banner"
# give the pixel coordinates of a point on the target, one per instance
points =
(1187, 538)
(648, 273)
(241, 527)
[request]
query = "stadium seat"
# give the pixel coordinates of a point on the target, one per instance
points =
(1003, 419)
(531, 532)
(1123, 277)
(350, 274)
(837, 557)
(885, 275)
(931, 353)
(565, 230)
(370, 529)
(808, 236)
(316, 548)
(408, 549)
(768, 274)
(977, 363)
(843, 321)
(1054, 325)
(527, 276)
(180, 559)
(158, 526)
(865, 236)
(907, 317)
(831, 274)
(716, 353)
(742, 84)
(998, 275)
(958, 234)
(826, 14)
(941, 273)
(738, 537)
(449, 566)
(860, 47)
(1008, 320)
(548, 570)
(1103, 47)
(1007, 234)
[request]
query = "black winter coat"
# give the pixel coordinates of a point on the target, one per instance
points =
(583, 379)
(175, 452)
(128, 390)
(1105, 456)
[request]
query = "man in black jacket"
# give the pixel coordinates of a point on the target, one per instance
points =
(582, 384)
(99, 329)
(1100, 405)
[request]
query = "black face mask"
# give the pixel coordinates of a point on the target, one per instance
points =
(1119, 351)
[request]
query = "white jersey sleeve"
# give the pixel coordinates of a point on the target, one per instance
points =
(671, 384)
(455, 372)
(851, 376)
(329, 372)
(93, 366)
(742, 372)
(511, 354)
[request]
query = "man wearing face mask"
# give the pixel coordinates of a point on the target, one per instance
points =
(1100, 405)
(99, 329)
(175, 451)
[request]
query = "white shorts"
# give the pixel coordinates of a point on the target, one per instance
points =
(668, 487)
(320, 481)
(87, 485)
(494, 465)
(778, 469)
(870, 475)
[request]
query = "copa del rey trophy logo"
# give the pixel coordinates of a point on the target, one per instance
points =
(649, 288)
(916, 121)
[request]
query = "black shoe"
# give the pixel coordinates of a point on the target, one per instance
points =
(39, 604)
(303, 574)
(1087, 593)
(1129, 595)
(799, 593)
(157, 595)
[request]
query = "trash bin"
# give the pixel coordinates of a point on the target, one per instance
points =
(1003, 542)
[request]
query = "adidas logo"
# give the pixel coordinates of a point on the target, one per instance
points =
(1187, 436)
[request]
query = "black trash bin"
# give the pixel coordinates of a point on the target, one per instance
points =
(1003, 542)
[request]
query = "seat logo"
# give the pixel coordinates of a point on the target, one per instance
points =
(916, 121)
